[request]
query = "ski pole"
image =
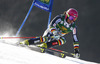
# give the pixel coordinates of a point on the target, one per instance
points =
(14, 37)
(21, 37)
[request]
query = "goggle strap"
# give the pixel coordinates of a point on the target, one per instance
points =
(67, 14)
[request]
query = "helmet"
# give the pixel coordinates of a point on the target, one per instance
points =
(71, 13)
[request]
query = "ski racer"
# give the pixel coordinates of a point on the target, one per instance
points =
(61, 25)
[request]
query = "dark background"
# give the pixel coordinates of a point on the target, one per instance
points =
(13, 12)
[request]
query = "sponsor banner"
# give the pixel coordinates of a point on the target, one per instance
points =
(44, 4)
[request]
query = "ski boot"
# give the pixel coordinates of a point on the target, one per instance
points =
(76, 55)
(43, 46)
(26, 42)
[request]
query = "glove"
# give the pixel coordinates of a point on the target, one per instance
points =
(77, 55)
(55, 33)
(56, 37)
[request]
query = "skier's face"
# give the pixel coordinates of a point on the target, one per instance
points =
(70, 21)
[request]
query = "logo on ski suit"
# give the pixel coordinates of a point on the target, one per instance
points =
(62, 28)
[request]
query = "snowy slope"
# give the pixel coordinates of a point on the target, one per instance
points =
(10, 54)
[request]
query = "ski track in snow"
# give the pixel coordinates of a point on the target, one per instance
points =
(10, 54)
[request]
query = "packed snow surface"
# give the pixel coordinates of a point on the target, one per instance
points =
(10, 54)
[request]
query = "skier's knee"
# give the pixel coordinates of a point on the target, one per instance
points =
(61, 41)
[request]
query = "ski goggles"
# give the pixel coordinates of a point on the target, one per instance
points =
(72, 18)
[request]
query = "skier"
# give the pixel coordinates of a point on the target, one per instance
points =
(53, 36)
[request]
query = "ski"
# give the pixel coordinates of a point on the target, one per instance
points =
(63, 54)
(51, 51)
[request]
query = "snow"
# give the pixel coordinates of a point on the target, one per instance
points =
(10, 54)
